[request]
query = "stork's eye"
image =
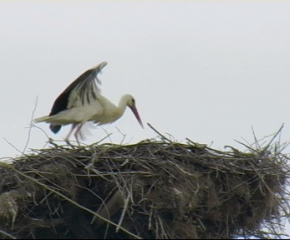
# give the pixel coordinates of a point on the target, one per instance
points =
(133, 101)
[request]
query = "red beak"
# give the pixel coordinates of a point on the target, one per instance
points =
(134, 110)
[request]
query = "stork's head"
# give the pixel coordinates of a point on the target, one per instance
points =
(131, 103)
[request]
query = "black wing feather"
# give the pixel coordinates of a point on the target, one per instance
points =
(61, 103)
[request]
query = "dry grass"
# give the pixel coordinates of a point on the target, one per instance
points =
(153, 189)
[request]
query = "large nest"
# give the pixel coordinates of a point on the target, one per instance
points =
(153, 189)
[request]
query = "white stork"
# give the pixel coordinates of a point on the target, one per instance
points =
(82, 101)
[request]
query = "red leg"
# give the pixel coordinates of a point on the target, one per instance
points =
(77, 132)
(70, 132)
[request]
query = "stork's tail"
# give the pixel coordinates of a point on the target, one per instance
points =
(54, 128)
(41, 119)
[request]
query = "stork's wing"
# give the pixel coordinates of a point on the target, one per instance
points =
(80, 92)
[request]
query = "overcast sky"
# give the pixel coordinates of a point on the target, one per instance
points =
(204, 70)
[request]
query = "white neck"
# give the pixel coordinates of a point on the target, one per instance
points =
(122, 105)
(115, 112)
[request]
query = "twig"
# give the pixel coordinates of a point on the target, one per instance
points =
(162, 136)
(124, 136)
(12, 145)
(275, 135)
(255, 138)
(108, 134)
(31, 124)
(7, 235)
(123, 212)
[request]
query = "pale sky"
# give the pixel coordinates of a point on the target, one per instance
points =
(204, 70)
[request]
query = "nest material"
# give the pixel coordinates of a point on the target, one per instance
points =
(151, 189)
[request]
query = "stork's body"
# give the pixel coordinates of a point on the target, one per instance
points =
(82, 101)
